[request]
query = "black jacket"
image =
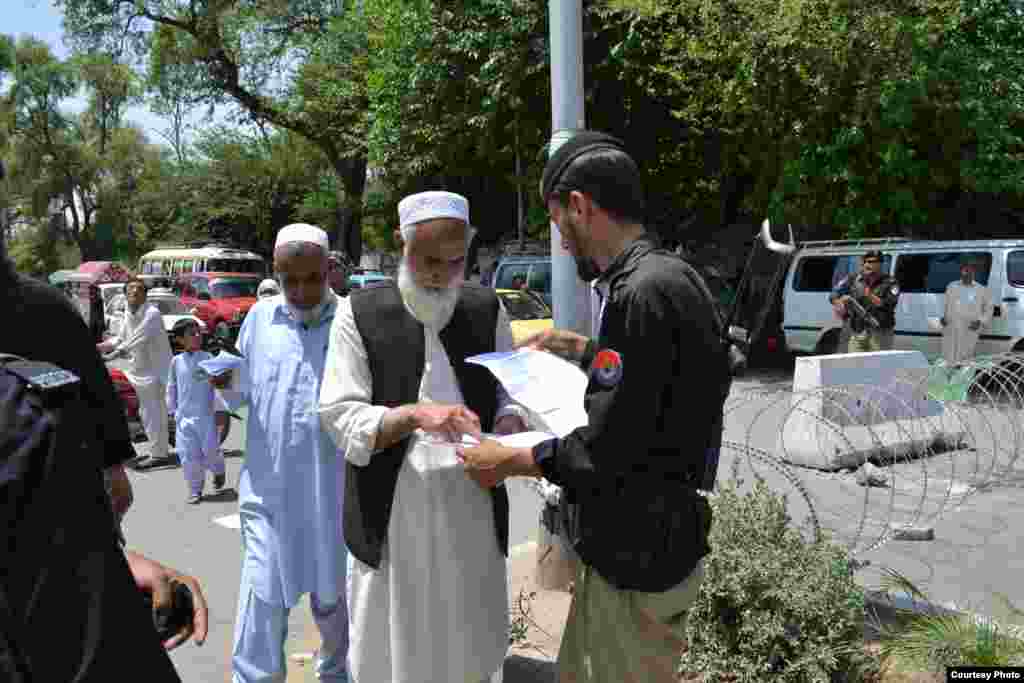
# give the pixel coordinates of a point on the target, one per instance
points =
(885, 288)
(654, 428)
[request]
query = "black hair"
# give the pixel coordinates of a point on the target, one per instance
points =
(874, 253)
(597, 165)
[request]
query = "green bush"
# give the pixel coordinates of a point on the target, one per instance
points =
(773, 606)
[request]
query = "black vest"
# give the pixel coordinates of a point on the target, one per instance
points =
(395, 352)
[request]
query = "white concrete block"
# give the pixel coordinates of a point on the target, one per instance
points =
(847, 408)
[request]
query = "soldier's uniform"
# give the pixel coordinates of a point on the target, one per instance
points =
(864, 337)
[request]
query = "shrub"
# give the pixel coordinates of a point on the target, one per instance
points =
(773, 606)
(933, 638)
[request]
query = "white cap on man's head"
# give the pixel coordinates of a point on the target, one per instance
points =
(302, 232)
(428, 206)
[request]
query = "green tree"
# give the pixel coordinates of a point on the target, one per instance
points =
(72, 166)
(863, 117)
(291, 63)
(240, 187)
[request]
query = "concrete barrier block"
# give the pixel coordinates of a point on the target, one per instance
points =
(849, 408)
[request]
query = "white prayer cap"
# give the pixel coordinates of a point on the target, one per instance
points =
(268, 287)
(428, 206)
(302, 232)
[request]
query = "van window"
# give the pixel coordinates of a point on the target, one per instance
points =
(540, 277)
(931, 273)
(509, 273)
(234, 265)
(1015, 268)
(814, 274)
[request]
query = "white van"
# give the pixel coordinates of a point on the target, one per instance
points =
(922, 269)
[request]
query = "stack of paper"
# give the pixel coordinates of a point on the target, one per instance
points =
(547, 386)
(520, 440)
(221, 363)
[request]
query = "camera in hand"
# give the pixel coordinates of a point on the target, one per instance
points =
(169, 621)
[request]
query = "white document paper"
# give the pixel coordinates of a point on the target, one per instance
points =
(221, 363)
(520, 440)
(545, 384)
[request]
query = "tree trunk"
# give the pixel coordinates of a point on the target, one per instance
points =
(352, 174)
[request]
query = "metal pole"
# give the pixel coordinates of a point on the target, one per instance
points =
(570, 295)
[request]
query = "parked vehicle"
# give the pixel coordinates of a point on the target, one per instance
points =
(92, 274)
(527, 312)
(171, 311)
(534, 270)
(130, 401)
(922, 269)
(220, 300)
(213, 258)
(361, 279)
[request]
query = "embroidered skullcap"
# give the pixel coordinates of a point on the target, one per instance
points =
(428, 206)
(302, 232)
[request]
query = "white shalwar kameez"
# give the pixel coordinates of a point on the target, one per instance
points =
(289, 491)
(965, 304)
(194, 404)
(142, 335)
(437, 608)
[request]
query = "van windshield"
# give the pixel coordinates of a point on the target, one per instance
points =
(1015, 268)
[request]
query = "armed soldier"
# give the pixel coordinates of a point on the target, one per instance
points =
(867, 301)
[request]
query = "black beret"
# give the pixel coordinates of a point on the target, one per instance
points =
(578, 145)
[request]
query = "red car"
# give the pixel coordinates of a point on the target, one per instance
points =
(220, 300)
(130, 400)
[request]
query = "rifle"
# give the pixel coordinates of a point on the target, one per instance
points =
(858, 311)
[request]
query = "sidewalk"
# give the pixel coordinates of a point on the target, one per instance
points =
(531, 661)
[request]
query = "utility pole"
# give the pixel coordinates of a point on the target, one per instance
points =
(570, 295)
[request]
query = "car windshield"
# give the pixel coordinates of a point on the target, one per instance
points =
(233, 289)
(521, 306)
(169, 306)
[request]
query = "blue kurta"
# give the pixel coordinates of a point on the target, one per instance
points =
(292, 481)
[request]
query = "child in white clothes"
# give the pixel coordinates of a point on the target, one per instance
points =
(192, 400)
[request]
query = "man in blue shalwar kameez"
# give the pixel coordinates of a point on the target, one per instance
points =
(291, 486)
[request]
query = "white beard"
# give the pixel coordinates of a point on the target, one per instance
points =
(433, 308)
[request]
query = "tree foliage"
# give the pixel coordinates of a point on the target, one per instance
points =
(72, 167)
(295, 64)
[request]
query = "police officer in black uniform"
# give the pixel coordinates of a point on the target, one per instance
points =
(72, 601)
(867, 302)
(633, 477)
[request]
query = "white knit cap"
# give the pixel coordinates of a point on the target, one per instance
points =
(302, 232)
(268, 285)
(428, 206)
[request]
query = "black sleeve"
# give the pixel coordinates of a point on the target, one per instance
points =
(655, 419)
(65, 340)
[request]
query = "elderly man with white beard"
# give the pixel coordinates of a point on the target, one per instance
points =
(291, 482)
(427, 592)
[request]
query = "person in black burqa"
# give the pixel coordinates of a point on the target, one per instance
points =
(83, 618)
(633, 476)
